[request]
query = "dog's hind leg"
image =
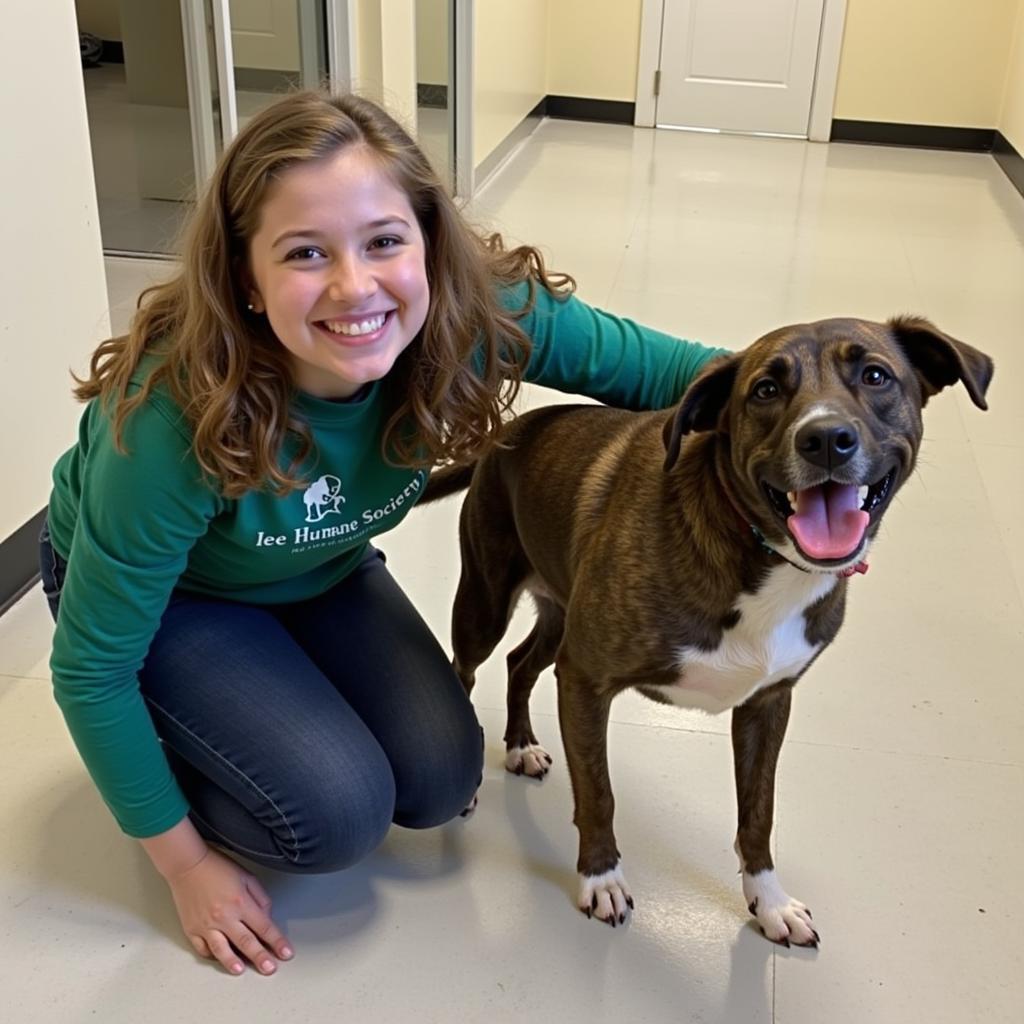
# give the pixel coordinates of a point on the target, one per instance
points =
(494, 567)
(524, 755)
(758, 728)
(583, 716)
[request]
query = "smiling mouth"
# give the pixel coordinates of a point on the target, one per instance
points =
(367, 329)
(828, 522)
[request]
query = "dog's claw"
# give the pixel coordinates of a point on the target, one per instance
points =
(629, 902)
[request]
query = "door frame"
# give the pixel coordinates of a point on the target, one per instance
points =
(826, 75)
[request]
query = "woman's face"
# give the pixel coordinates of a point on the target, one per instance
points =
(338, 265)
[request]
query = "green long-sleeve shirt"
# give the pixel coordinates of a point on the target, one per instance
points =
(134, 526)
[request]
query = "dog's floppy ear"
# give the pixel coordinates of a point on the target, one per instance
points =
(940, 360)
(701, 405)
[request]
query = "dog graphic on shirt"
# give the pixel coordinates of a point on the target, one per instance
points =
(323, 497)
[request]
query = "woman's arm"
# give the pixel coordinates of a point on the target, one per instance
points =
(583, 350)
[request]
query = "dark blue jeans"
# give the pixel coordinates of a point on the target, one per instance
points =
(300, 732)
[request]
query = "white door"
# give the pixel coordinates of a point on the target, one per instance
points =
(738, 65)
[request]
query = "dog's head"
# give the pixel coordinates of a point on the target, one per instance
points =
(822, 424)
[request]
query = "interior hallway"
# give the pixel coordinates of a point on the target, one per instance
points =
(900, 804)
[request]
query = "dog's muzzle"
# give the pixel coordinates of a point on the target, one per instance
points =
(827, 520)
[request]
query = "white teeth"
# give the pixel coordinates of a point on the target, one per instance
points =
(862, 495)
(355, 329)
(791, 496)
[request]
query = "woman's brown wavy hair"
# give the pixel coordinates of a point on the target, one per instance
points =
(449, 390)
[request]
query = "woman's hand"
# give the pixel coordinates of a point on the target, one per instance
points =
(222, 906)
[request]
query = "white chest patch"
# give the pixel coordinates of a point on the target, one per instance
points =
(766, 645)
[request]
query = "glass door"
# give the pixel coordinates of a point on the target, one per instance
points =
(167, 86)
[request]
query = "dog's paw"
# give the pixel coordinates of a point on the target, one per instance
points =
(531, 760)
(782, 919)
(606, 896)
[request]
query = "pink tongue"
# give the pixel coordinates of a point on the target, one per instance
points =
(828, 522)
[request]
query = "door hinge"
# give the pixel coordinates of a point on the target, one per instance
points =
(657, 82)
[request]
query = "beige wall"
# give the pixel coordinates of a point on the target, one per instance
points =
(385, 55)
(100, 17)
(1011, 119)
(510, 68)
(936, 62)
(432, 42)
(54, 308)
(264, 34)
(593, 47)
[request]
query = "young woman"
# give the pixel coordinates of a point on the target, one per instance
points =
(237, 667)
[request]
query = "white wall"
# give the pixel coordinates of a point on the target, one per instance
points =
(54, 301)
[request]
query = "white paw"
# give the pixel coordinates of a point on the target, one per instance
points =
(532, 760)
(606, 896)
(782, 919)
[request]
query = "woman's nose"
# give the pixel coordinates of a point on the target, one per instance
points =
(352, 281)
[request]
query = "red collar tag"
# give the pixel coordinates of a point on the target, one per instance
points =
(861, 567)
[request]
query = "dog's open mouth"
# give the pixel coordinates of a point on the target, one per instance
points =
(827, 522)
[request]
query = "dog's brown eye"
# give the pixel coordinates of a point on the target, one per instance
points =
(875, 376)
(765, 389)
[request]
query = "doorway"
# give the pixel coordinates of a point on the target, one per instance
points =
(749, 66)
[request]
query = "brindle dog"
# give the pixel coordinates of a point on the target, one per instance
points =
(700, 555)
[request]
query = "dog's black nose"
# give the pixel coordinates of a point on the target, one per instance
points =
(827, 441)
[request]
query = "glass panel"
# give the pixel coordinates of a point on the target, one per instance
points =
(137, 100)
(277, 46)
(140, 73)
(433, 81)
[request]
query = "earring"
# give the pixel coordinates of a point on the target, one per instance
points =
(249, 306)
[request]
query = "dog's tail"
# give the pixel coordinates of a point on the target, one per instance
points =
(448, 481)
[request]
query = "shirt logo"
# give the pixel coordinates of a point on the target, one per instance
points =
(323, 497)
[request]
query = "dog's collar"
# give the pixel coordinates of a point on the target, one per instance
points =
(860, 567)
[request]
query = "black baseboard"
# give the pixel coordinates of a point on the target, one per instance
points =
(19, 561)
(1009, 160)
(923, 136)
(578, 108)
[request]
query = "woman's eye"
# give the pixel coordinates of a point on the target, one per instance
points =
(305, 252)
(875, 376)
(387, 242)
(765, 390)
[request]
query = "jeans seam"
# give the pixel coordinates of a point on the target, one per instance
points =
(232, 768)
(232, 844)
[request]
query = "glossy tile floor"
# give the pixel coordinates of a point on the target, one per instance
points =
(900, 811)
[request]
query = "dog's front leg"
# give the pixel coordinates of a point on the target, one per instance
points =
(758, 728)
(583, 716)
